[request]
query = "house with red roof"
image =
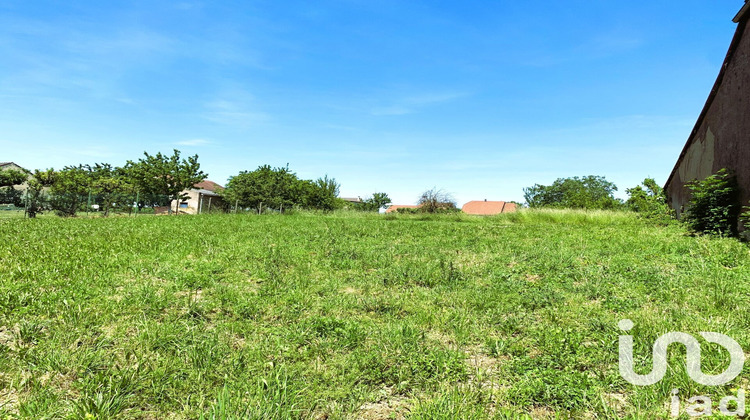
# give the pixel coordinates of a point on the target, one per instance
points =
(204, 197)
(488, 208)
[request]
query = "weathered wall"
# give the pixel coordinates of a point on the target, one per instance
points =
(721, 137)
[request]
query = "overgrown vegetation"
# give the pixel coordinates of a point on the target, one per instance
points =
(714, 205)
(356, 315)
(377, 201)
(163, 180)
(650, 201)
(279, 189)
(436, 201)
(589, 192)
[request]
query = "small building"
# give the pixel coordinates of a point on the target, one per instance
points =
(488, 208)
(395, 207)
(720, 138)
(202, 198)
(8, 166)
(352, 200)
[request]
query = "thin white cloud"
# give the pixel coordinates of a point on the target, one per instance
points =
(391, 110)
(413, 103)
(234, 106)
(98, 152)
(193, 142)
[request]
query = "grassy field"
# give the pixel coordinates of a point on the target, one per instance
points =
(356, 316)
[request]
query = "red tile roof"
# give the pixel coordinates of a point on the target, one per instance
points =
(208, 185)
(487, 208)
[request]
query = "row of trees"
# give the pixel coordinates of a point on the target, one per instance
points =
(280, 189)
(595, 192)
(160, 179)
(152, 180)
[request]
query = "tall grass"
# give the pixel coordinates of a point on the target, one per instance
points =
(354, 315)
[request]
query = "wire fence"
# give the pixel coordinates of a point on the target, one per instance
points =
(22, 202)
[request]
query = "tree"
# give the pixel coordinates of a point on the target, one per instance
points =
(36, 200)
(436, 201)
(8, 194)
(69, 189)
(11, 177)
(374, 203)
(265, 187)
(109, 185)
(322, 194)
(168, 176)
(589, 192)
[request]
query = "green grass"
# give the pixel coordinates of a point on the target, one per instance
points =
(355, 316)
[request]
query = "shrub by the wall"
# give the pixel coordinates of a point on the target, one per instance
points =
(714, 207)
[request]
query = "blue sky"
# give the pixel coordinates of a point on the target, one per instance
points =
(479, 98)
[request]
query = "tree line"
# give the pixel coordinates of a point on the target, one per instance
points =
(153, 180)
(160, 180)
(280, 189)
(596, 193)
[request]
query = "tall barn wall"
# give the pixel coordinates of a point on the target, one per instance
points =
(721, 137)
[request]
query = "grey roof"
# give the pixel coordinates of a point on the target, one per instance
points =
(208, 193)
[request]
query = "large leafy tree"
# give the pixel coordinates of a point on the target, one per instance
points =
(378, 201)
(280, 189)
(265, 187)
(164, 175)
(321, 194)
(69, 189)
(9, 178)
(36, 197)
(589, 192)
(110, 185)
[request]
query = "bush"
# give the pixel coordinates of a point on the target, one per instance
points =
(650, 202)
(714, 207)
(436, 201)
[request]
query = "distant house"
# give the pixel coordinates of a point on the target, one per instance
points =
(202, 198)
(352, 200)
(488, 208)
(395, 207)
(7, 166)
(720, 138)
